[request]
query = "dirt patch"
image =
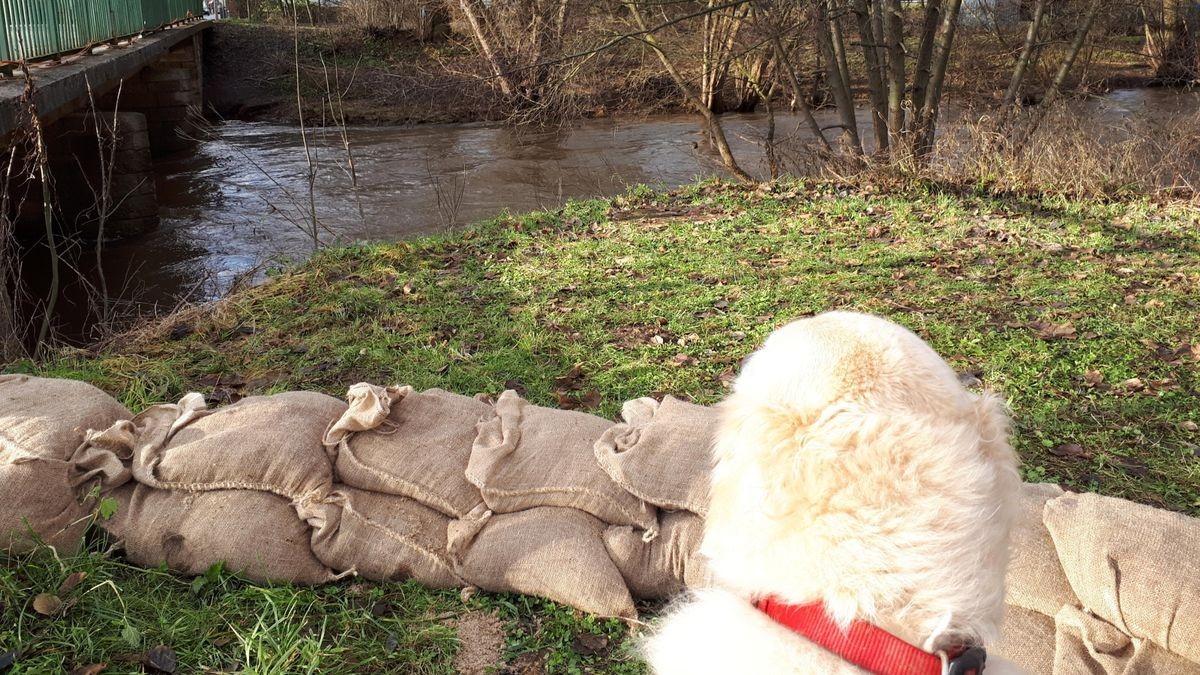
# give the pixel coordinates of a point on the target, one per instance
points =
(480, 644)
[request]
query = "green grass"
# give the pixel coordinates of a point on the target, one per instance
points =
(1083, 315)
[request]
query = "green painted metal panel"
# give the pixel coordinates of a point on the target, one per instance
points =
(157, 13)
(32, 29)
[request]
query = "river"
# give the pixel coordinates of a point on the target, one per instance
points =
(239, 202)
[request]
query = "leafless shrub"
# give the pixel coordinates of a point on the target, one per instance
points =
(449, 189)
(1068, 154)
(1073, 154)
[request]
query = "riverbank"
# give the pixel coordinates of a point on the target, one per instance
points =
(388, 77)
(1082, 315)
(385, 77)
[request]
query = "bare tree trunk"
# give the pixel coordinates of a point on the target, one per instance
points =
(1064, 68)
(870, 41)
(798, 93)
(933, 12)
(712, 124)
(1023, 61)
(1177, 46)
(485, 46)
(894, 34)
(838, 84)
(839, 45)
(926, 124)
(720, 35)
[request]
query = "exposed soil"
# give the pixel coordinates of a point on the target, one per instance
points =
(480, 644)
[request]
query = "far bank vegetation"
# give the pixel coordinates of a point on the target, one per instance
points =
(866, 83)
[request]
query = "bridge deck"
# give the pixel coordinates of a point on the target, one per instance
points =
(63, 88)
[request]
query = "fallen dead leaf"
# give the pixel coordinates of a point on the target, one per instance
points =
(1069, 450)
(1054, 331)
(571, 379)
(1093, 377)
(727, 378)
(90, 669)
(1189, 425)
(47, 604)
(162, 659)
(683, 360)
(1133, 384)
(517, 386)
(588, 644)
(71, 582)
(579, 401)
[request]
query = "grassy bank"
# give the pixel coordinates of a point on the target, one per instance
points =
(1083, 315)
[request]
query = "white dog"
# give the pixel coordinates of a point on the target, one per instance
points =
(862, 497)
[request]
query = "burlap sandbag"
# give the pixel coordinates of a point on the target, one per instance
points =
(382, 537)
(400, 442)
(256, 534)
(50, 418)
(665, 566)
(526, 456)
(1087, 645)
(662, 453)
(1035, 576)
(1026, 639)
(266, 443)
(42, 423)
(550, 552)
(1134, 566)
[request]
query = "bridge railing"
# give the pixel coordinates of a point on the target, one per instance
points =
(32, 29)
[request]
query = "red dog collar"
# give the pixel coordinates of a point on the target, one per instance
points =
(870, 647)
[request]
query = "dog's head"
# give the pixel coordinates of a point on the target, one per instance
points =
(853, 468)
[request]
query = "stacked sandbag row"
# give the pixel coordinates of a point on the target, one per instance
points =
(455, 491)
(1102, 585)
(535, 500)
(229, 485)
(441, 488)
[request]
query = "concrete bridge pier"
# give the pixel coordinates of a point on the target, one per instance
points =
(84, 174)
(170, 93)
(160, 109)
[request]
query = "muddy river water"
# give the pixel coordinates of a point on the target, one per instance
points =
(237, 203)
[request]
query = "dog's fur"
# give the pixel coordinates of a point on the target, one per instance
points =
(852, 468)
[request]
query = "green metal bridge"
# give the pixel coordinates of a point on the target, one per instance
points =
(34, 29)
